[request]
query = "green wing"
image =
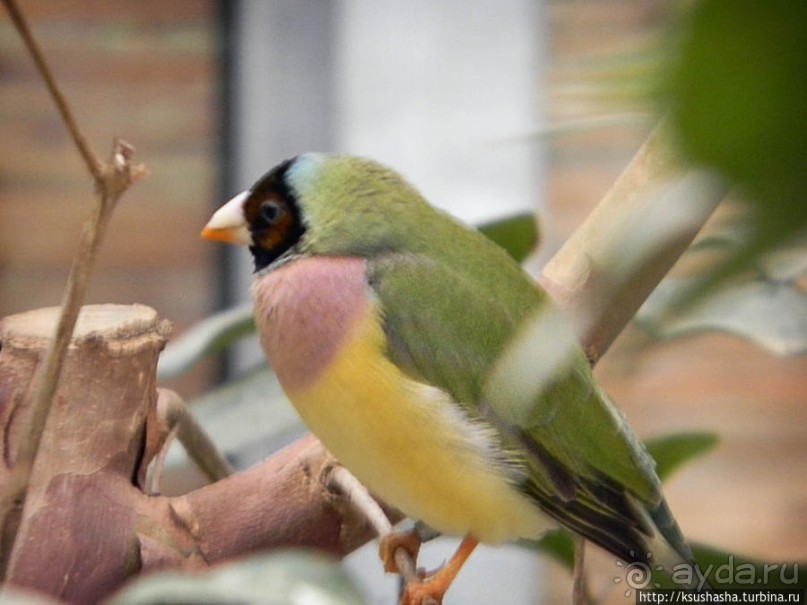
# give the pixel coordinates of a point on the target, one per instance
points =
(576, 455)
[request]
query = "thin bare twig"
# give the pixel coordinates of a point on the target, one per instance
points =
(407, 566)
(359, 497)
(579, 575)
(111, 179)
(174, 412)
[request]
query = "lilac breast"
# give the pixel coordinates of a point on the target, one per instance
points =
(305, 311)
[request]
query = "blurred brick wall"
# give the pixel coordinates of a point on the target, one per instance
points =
(145, 70)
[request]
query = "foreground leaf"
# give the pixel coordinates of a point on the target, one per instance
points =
(738, 100)
(671, 452)
(11, 595)
(726, 570)
(289, 578)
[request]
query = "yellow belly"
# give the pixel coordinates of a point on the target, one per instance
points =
(411, 445)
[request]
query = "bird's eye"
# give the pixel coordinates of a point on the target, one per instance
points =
(271, 211)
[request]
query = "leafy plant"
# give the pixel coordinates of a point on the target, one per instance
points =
(738, 102)
(284, 578)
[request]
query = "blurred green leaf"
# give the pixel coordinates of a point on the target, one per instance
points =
(559, 545)
(211, 335)
(287, 578)
(671, 452)
(723, 570)
(517, 234)
(726, 570)
(765, 305)
(738, 98)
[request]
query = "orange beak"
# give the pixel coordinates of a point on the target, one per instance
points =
(228, 224)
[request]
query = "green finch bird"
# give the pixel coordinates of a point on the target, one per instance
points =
(387, 322)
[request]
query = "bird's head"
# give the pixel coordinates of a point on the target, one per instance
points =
(267, 217)
(321, 204)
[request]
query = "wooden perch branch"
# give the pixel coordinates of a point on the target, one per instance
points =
(284, 501)
(172, 417)
(630, 241)
(118, 175)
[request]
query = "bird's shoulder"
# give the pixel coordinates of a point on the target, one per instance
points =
(447, 319)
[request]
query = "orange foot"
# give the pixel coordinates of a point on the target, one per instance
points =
(432, 589)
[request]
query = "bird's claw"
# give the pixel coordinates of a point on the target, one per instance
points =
(408, 540)
(420, 589)
(426, 591)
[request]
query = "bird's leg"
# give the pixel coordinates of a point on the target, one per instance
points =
(430, 590)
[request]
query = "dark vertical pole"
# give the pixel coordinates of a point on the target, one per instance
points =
(276, 102)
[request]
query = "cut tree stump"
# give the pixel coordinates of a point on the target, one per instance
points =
(78, 514)
(87, 527)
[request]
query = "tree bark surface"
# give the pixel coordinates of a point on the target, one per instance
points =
(87, 525)
(73, 536)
